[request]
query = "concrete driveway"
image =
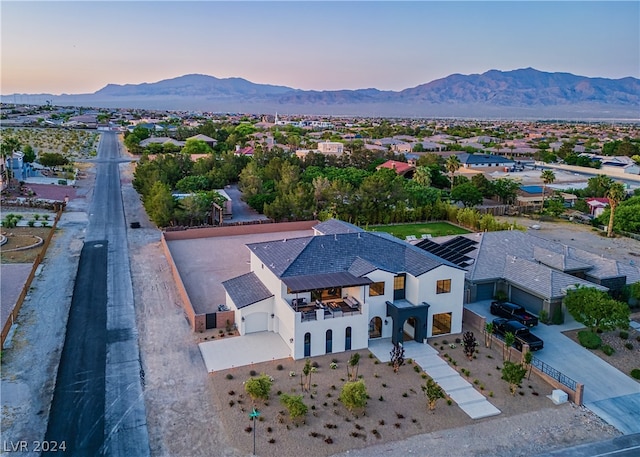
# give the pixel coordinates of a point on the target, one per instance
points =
(245, 350)
(608, 392)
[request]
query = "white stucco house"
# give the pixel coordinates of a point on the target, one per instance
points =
(338, 289)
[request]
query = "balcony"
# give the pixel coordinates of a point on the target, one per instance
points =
(348, 306)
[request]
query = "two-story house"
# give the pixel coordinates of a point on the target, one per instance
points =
(338, 289)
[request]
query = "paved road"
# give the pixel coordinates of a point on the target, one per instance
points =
(98, 405)
(608, 392)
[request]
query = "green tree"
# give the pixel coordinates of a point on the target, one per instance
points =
(194, 146)
(598, 186)
(506, 189)
(509, 339)
(258, 387)
(433, 392)
(295, 406)
(528, 358)
(513, 373)
(485, 186)
(555, 205)
(160, 204)
(52, 159)
(548, 177)
(615, 194)
(452, 165)
(467, 194)
(354, 395)
(596, 310)
(29, 154)
(422, 176)
(488, 334)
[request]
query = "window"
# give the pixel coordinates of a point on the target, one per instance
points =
(443, 286)
(375, 289)
(441, 324)
(347, 339)
(399, 286)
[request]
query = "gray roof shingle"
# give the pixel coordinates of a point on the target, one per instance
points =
(347, 252)
(246, 290)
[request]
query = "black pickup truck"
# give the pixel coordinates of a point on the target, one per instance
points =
(502, 326)
(513, 313)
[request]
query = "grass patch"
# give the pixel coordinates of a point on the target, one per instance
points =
(432, 228)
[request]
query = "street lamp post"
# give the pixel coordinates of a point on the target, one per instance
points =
(253, 414)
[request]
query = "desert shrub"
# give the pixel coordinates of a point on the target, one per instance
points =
(229, 376)
(354, 395)
(635, 373)
(294, 405)
(258, 387)
(608, 349)
(279, 368)
(623, 334)
(589, 339)
(629, 346)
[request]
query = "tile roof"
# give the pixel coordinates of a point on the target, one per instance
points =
(246, 290)
(540, 279)
(346, 252)
(494, 247)
(333, 226)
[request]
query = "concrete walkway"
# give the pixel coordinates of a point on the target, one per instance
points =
(238, 351)
(608, 392)
(462, 392)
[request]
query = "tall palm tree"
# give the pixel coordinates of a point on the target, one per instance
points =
(615, 194)
(547, 176)
(452, 165)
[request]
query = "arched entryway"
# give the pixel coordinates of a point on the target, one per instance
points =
(409, 323)
(409, 328)
(375, 328)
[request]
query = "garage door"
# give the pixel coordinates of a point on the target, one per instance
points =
(532, 303)
(484, 291)
(256, 322)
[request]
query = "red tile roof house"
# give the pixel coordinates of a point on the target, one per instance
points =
(401, 168)
(336, 290)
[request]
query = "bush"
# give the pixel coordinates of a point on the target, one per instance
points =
(258, 387)
(608, 349)
(589, 339)
(558, 317)
(628, 346)
(635, 373)
(623, 335)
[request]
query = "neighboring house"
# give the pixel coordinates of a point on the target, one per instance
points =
(331, 148)
(597, 205)
(246, 151)
(212, 142)
(402, 168)
(533, 272)
(335, 291)
(484, 161)
(161, 140)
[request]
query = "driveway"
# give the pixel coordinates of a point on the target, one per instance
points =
(239, 351)
(241, 211)
(608, 392)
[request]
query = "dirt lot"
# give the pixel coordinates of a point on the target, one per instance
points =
(397, 408)
(22, 237)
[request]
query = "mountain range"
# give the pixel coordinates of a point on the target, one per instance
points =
(524, 93)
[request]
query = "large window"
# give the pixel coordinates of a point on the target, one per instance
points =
(443, 286)
(375, 289)
(441, 324)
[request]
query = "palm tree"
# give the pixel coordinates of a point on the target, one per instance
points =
(7, 148)
(547, 176)
(615, 194)
(422, 176)
(452, 165)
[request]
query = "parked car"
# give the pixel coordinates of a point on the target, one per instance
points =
(502, 326)
(513, 312)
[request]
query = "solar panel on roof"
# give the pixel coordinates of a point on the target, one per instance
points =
(452, 251)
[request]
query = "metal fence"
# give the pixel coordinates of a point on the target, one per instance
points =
(555, 374)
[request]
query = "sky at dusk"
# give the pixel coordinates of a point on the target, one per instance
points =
(81, 46)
